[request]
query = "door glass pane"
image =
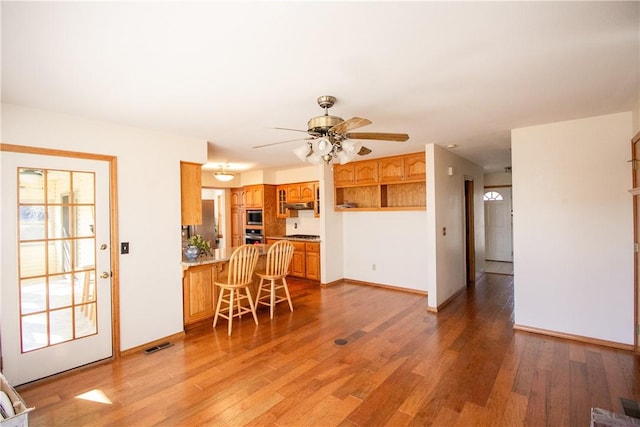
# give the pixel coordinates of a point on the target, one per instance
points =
(83, 187)
(57, 256)
(58, 185)
(31, 222)
(30, 185)
(33, 295)
(32, 256)
(34, 332)
(61, 326)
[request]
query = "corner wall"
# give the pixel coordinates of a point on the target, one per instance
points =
(573, 227)
(446, 263)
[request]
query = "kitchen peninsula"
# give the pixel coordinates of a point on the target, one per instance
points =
(199, 295)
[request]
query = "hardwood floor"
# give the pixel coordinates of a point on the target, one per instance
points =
(400, 366)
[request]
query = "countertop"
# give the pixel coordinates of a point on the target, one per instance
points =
(218, 255)
(297, 239)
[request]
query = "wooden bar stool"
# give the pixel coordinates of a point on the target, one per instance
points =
(241, 266)
(277, 267)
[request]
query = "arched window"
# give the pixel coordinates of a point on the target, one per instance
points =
(492, 196)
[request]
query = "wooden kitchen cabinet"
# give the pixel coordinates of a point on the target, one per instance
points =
(238, 219)
(198, 293)
(281, 199)
(191, 193)
(254, 196)
(344, 174)
(300, 192)
(390, 183)
(312, 260)
(297, 266)
(237, 197)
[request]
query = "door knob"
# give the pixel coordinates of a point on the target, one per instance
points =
(103, 246)
(104, 275)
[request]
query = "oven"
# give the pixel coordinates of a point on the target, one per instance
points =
(253, 236)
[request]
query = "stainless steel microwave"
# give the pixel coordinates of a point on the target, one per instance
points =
(254, 216)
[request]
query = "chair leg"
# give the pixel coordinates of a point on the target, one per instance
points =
(272, 303)
(286, 290)
(252, 305)
(259, 290)
(232, 291)
(215, 318)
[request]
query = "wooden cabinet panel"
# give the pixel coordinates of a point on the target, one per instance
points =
(391, 169)
(297, 267)
(312, 258)
(415, 167)
(237, 197)
(316, 205)
(198, 293)
(191, 193)
(281, 194)
(344, 174)
(366, 172)
(238, 220)
(253, 196)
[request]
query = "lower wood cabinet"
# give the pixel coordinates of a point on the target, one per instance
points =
(297, 266)
(198, 293)
(312, 258)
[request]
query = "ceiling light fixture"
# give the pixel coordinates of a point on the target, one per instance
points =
(223, 175)
(327, 148)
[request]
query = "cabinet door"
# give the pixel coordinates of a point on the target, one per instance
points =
(237, 197)
(293, 193)
(312, 264)
(253, 196)
(296, 268)
(316, 206)
(415, 167)
(391, 169)
(281, 194)
(366, 172)
(344, 174)
(198, 293)
(191, 193)
(307, 193)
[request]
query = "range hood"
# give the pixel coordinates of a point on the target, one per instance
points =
(299, 206)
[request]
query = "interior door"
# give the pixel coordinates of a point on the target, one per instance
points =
(55, 297)
(498, 224)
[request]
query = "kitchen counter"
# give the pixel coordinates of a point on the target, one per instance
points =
(218, 255)
(297, 239)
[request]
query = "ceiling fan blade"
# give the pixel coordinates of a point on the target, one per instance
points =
(283, 142)
(295, 130)
(352, 123)
(364, 151)
(396, 137)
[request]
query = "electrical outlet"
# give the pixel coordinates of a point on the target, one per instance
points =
(124, 248)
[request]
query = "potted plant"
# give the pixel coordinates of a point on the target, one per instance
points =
(196, 246)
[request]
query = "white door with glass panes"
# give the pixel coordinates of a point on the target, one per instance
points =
(498, 224)
(55, 295)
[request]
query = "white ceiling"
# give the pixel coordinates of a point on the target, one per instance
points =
(229, 72)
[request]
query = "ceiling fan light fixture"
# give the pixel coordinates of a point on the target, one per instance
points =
(322, 146)
(303, 151)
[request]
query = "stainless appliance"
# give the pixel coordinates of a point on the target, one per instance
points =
(208, 229)
(299, 206)
(253, 236)
(254, 216)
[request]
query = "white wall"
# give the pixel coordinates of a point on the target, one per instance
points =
(445, 209)
(148, 208)
(497, 179)
(573, 227)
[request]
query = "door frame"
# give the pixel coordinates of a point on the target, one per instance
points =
(113, 218)
(470, 241)
(635, 163)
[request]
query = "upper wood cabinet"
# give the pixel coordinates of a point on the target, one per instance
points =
(390, 183)
(300, 192)
(281, 198)
(415, 167)
(191, 193)
(254, 196)
(402, 168)
(344, 174)
(237, 197)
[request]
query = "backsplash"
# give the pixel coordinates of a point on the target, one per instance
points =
(305, 223)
